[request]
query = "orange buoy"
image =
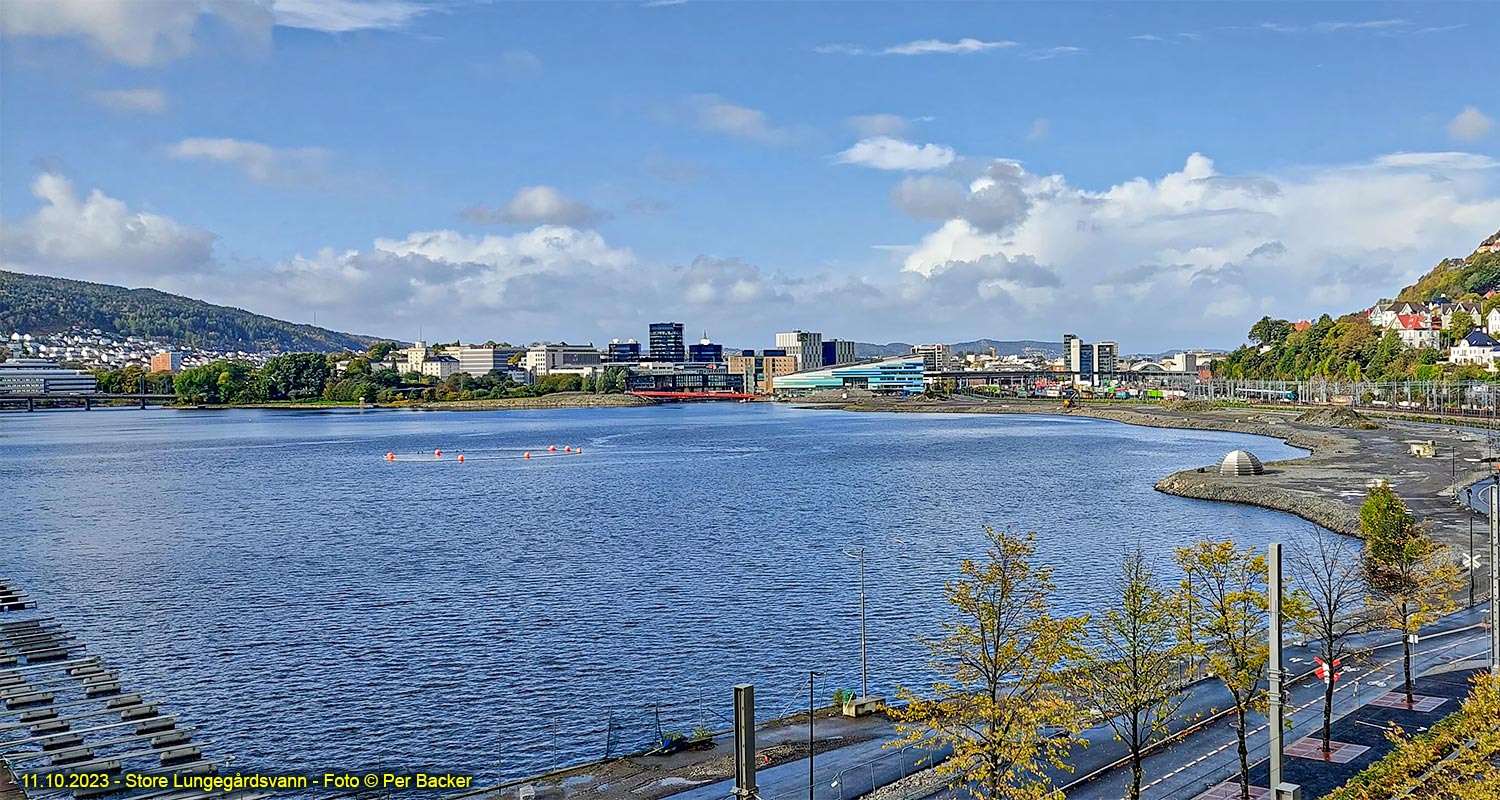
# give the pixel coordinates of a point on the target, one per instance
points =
(390, 456)
(437, 453)
(552, 448)
(525, 455)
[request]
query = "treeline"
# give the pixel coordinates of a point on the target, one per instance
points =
(41, 304)
(1345, 348)
(1018, 681)
(313, 377)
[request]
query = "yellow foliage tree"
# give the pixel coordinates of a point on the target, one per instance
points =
(999, 704)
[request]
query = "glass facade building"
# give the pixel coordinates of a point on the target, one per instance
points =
(623, 352)
(666, 342)
(901, 375)
(705, 353)
(698, 380)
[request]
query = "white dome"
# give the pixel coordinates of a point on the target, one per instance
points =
(1240, 462)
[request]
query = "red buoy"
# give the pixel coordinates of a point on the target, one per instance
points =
(567, 449)
(460, 458)
(525, 455)
(552, 448)
(390, 456)
(437, 453)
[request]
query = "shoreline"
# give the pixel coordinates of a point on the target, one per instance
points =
(1324, 487)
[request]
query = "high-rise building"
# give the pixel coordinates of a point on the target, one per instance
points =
(805, 346)
(666, 342)
(705, 352)
(626, 352)
(837, 351)
(935, 357)
(166, 361)
(1106, 359)
(761, 371)
(1090, 363)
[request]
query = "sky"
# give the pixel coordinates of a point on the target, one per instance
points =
(1157, 174)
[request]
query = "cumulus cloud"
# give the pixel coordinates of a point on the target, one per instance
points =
(1470, 125)
(152, 100)
(538, 205)
(883, 152)
(98, 237)
(872, 125)
(150, 33)
(712, 113)
(264, 164)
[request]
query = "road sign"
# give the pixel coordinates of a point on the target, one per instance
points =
(1323, 672)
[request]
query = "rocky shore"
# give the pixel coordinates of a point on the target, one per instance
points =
(558, 400)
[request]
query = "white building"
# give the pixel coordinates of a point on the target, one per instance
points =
(40, 376)
(935, 357)
(544, 359)
(480, 359)
(1416, 330)
(1476, 348)
(1492, 322)
(805, 346)
(440, 367)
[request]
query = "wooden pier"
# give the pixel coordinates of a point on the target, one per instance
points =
(63, 712)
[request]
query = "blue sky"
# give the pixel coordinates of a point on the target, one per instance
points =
(575, 170)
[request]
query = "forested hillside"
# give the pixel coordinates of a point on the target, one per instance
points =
(39, 304)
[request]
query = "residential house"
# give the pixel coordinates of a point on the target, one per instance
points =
(1416, 330)
(1476, 348)
(1492, 322)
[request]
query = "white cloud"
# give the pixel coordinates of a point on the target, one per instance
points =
(1470, 125)
(1147, 37)
(152, 32)
(538, 205)
(152, 100)
(272, 166)
(1048, 53)
(871, 125)
(710, 112)
(920, 47)
(883, 152)
(99, 238)
(1040, 129)
(134, 33)
(342, 16)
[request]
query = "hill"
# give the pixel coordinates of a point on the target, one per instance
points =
(1456, 277)
(40, 304)
(1002, 347)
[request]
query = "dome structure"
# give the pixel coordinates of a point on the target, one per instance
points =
(1240, 462)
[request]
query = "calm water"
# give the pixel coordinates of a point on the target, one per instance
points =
(269, 576)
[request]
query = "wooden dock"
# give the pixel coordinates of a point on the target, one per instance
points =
(63, 711)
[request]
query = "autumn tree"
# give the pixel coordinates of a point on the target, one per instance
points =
(1001, 660)
(1412, 577)
(1129, 673)
(1229, 625)
(1459, 325)
(1328, 569)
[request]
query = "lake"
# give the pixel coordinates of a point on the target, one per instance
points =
(312, 606)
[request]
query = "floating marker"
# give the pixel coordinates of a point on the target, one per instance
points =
(460, 458)
(525, 455)
(552, 448)
(390, 456)
(579, 451)
(437, 454)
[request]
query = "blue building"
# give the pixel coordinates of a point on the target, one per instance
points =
(898, 376)
(619, 352)
(666, 342)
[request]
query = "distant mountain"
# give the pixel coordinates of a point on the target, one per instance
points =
(1002, 347)
(39, 304)
(1455, 277)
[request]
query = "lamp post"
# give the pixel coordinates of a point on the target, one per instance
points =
(811, 784)
(1473, 568)
(864, 662)
(1494, 490)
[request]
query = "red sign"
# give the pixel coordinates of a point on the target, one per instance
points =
(1322, 670)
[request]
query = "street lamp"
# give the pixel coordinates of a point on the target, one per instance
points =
(811, 677)
(1469, 560)
(1494, 490)
(864, 661)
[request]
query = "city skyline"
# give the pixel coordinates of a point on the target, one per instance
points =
(974, 171)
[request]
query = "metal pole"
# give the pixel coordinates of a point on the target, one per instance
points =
(1273, 562)
(1473, 568)
(744, 741)
(1495, 578)
(811, 784)
(864, 661)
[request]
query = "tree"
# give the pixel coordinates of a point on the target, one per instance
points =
(1270, 331)
(1229, 625)
(1459, 325)
(1001, 659)
(1411, 576)
(1329, 569)
(1129, 675)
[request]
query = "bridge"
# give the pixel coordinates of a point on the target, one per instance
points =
(86, 401)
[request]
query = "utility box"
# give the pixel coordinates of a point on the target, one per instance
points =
(860, 706)
(1423, 449)
(1288, 791)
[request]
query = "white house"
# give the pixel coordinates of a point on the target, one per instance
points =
(1476, 348)
(1492, 322)
(1416, 330)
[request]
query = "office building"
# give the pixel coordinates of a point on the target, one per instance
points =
(705, 352)
(626, 352)
(761, 371)
(838, 351)
(40, 376)
(805, 346)
(545, 359)
(166, 361)
(935, 357)
(1090, 363)
(440, 367)
(897, 376)
(666, 342)
(1106, 359)
(481, 359)
(686, 378)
